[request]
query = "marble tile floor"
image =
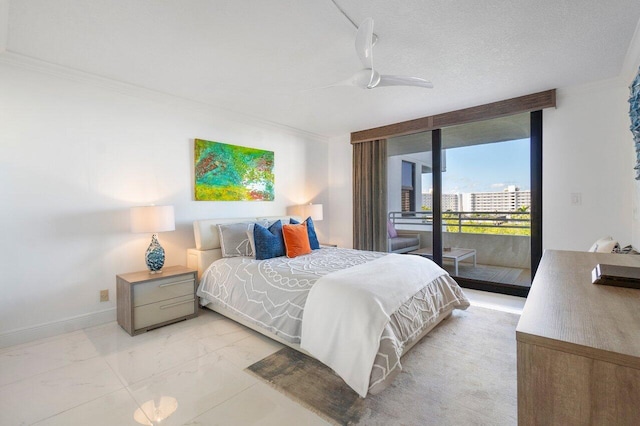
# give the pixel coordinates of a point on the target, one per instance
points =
(103, 376)
(185, 373)
(498, 302)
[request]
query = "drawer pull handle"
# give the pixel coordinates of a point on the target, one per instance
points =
(171, 305)
(175, 283)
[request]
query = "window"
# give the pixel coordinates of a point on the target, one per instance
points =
(408, 200)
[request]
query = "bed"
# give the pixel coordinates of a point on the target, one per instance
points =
(273, 296)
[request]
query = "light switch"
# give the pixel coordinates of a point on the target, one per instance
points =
(576, 198)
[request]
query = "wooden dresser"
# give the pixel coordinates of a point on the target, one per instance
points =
(579, 345)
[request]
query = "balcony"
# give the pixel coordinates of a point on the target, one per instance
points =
(501, 240)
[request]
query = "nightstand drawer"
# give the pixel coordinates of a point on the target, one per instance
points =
(147, 301)
(166, 310)
(163, 289)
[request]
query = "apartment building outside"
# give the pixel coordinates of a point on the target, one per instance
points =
(511, 199)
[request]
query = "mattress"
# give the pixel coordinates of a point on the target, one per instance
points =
(271, 294)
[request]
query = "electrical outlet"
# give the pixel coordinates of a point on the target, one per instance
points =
(104, 295)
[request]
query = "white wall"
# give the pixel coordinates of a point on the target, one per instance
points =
(588, 150)
(74, 156)
(341, 192)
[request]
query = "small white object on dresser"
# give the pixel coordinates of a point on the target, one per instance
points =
(147, 301)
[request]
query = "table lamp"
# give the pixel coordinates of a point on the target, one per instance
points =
(314, 211)
(153, 219)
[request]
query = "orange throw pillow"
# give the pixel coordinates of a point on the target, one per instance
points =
(296, 240)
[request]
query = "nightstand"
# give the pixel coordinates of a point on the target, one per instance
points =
(147, 301)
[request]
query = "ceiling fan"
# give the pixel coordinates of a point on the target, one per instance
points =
(368, 77)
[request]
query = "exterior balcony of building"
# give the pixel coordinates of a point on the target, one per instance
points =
(500, 242)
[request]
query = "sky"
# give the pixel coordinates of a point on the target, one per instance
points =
(485, 168)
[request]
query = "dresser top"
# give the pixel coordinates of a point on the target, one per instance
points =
(565, 311)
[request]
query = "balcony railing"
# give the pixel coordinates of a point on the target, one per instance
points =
(509, 223)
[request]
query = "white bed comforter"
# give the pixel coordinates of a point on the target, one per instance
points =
(346, 312)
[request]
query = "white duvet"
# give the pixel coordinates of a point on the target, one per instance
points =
(346, 312)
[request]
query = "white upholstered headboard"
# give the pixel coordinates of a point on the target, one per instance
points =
(208, 240)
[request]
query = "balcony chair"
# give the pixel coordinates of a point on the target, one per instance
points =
(401, 242)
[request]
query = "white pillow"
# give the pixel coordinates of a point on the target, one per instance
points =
(604, 245)
(252, 240)
(234, 239)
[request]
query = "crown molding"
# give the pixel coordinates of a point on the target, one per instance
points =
(36, 65)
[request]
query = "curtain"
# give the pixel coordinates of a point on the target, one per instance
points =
(370, 195)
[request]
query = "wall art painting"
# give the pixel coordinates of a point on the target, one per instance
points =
(634, 115)
(226, 172)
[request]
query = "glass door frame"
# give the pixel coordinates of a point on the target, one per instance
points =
(533, 104)
(436, 145)
(535, 141)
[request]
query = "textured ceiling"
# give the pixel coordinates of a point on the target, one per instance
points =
(269, 58)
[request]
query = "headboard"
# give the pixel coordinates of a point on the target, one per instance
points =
(208, 240)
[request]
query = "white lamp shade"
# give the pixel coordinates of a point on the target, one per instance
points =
(311, 210)
(152, 219)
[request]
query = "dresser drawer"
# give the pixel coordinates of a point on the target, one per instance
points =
(163, 289)
(166, 310)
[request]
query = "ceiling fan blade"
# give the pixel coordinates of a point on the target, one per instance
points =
(399, 80)
(360, 79)
(364, 43)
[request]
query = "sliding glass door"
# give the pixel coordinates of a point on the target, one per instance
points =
(467, 190)
(486, 201)
(409, 182)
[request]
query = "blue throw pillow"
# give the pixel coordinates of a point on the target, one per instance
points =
(268, 241)
(313, 238)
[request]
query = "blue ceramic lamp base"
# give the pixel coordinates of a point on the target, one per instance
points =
(154, 256)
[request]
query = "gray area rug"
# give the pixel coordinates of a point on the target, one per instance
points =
(462, 373)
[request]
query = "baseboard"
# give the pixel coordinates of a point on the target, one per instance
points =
(54, 328)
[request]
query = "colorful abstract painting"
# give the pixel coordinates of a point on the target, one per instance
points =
(232, 173)
(634, 114)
